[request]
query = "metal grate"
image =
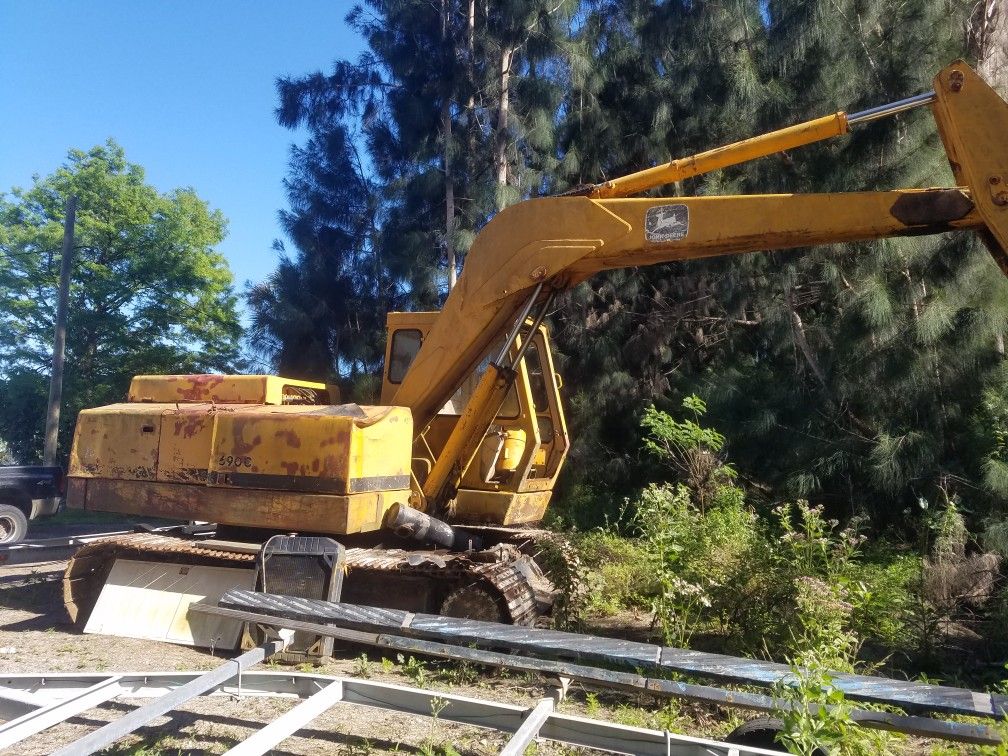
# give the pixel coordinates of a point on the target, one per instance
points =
(309, 567)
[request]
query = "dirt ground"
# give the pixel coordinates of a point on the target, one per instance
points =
(36, 636)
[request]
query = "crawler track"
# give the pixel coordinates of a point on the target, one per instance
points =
(500, 584)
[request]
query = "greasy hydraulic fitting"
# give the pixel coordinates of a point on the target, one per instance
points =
(412, 523)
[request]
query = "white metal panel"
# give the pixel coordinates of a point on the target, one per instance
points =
(92, 689)
(151, 600)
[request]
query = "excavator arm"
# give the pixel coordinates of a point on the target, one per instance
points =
(533, 249)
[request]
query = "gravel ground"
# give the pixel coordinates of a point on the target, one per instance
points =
(36, 636)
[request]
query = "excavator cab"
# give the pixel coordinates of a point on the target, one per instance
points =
(510, 478)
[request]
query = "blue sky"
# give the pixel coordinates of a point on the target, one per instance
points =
(186, 87)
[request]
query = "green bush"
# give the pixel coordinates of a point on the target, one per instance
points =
(618, 572)
(703, 561)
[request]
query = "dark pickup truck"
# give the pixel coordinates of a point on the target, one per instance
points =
(25, 493)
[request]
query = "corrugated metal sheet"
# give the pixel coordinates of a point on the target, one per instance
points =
(909, 695)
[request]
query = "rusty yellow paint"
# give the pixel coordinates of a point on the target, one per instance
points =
(333, 469)
(503, 508)
(186, 442)
(972, 120)
(561, 241)
(220, 389)
(258, 443)
(333, 449)
(279, 510)
(117, 441)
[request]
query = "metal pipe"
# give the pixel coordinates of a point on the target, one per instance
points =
(108, 734)
(412, 523)
(597, 676)
(518, 324)
(539, 318)
(882, 111)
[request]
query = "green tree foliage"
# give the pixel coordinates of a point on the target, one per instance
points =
(449, 116)
(320, 314)
(864, 376)
(649, 83)
(855, 373)
(149, 294)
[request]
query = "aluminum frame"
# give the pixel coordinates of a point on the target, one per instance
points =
(59, 696)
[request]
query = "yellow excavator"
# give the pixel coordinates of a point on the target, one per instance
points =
(463, 453)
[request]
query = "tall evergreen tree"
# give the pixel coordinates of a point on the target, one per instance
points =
(651, 82)
(873, 357)
(319, 315)
(453, 107)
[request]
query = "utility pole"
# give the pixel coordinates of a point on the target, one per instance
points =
(59, 340)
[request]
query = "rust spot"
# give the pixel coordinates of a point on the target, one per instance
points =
(290, 467)
(200, 387)
(290, 436)
(189, 426)
(315, 465)
(239, 445)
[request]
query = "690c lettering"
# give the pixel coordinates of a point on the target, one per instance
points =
(229, 460)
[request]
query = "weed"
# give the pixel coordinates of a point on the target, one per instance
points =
(415, 670)
(459, 673)
(157, 747)
(815, 712)
(357, 747)
(430, 747)
(387, 665)
(362, 667)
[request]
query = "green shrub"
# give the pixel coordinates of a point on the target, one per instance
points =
(618, 572)
(815, 712)
(689, 449)
(883, 595)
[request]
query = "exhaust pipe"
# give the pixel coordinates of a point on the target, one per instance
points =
(412, 523)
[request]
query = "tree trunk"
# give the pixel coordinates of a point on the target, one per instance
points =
(798, 329)
(446, 138)
(501, 136)
(992, 37)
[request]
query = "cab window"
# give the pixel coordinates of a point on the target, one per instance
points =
(405, 345)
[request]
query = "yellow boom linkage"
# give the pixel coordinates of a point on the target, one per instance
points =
(531, 250)
(256, 461)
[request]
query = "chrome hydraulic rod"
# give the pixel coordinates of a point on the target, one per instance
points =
(884, 111)
(518, 324)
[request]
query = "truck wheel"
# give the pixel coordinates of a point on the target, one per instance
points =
(13, 524)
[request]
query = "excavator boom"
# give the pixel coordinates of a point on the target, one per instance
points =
(558, 242)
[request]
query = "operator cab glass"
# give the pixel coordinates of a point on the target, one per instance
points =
(405, 345)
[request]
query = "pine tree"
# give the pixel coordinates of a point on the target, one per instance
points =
(319, 314)
(861, 375)
(650, 83)
(454, 108)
